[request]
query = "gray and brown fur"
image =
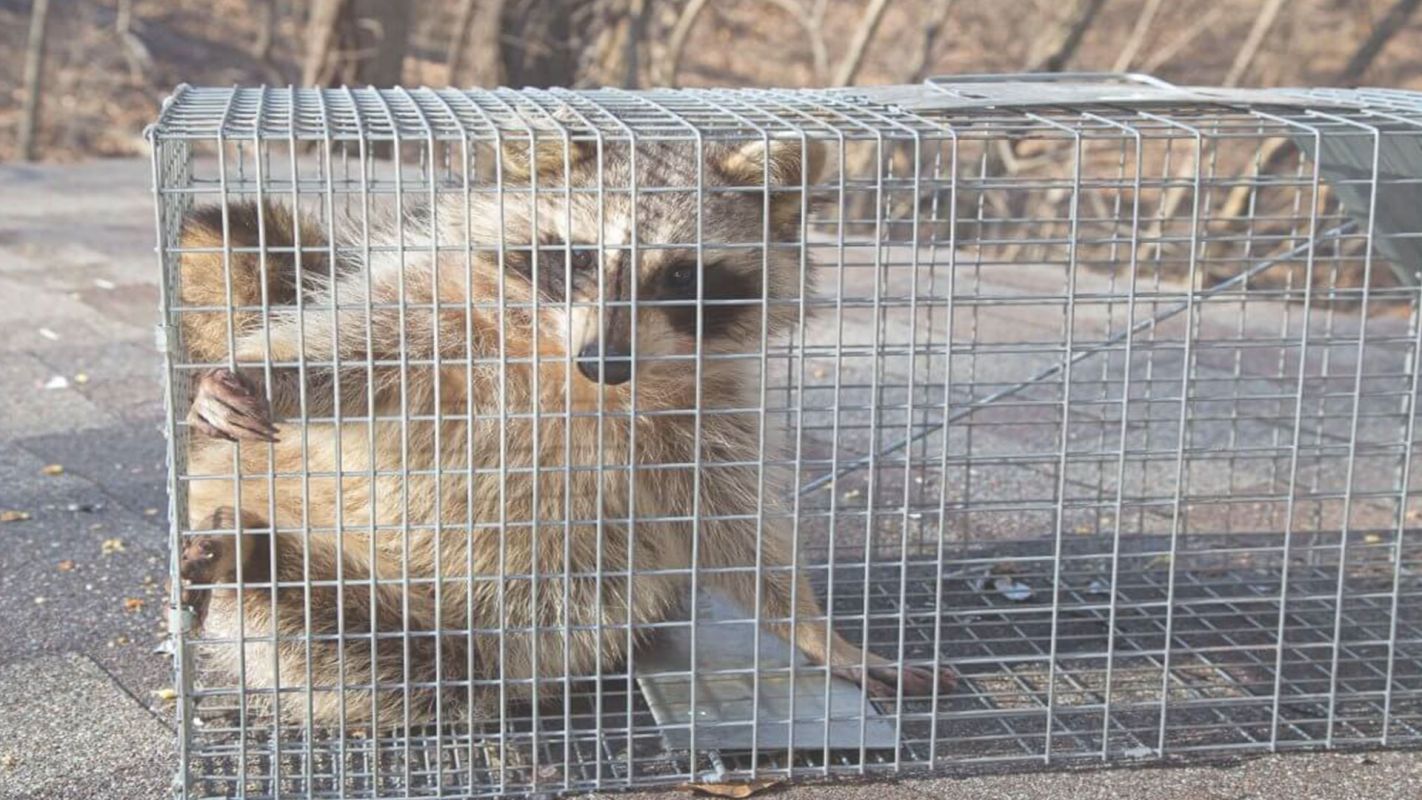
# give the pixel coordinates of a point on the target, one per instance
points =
(601, 557)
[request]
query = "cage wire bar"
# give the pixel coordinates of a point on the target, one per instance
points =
(1099, 391)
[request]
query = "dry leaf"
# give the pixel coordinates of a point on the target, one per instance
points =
(166, 695)
(112, 546)
(735, 789)
(10, 515)
(1012, 589)
(132, 604)
(66, 566)
(52, 469)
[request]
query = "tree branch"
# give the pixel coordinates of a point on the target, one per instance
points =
(34, 77)
(1389, 26)
(868, 24)
(1190, 34)
(932, 29)
(1247, 51)
(457, 45)
(1138, 35)
(676, 42)
(1083, 13)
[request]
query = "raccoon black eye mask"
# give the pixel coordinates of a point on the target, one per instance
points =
(722, 283)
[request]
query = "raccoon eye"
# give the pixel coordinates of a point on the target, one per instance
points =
(584, 260)
(682, 277)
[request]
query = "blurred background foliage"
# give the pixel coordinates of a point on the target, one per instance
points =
(80, 78)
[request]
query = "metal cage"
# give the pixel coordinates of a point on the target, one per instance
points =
(1096, 390)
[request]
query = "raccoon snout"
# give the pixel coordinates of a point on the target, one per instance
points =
(612, 366)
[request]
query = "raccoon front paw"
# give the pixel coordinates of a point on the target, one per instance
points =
(228, 406)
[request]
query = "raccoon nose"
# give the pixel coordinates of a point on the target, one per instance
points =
(612, 367)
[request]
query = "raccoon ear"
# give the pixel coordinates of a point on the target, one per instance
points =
(792, 163)
(547, 150)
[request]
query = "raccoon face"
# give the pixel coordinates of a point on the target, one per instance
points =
(664, 275)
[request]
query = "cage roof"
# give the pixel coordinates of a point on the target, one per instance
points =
(939, 107)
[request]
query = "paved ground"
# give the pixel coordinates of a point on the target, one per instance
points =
(82, 708)
(80, 686)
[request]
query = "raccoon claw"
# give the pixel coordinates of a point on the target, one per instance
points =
(229, 406)
(198, 564)
(884, 682)
(921, 681)
(208, 558)
(875, 688)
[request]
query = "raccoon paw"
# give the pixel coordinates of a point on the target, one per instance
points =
(874, 687)
(882, 682)
(229, 406)
(208, 558)
(920, 681)
(198, 564)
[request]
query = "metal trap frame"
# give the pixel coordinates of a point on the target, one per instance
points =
(1106, 397)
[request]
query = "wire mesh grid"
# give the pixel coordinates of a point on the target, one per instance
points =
(1096, 392)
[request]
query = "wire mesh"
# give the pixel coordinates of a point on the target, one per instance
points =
(1097, 392)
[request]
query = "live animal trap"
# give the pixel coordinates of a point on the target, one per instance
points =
(1095, 391)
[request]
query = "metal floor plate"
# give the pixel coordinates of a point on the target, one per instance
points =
(786, 704)
(1212, 656)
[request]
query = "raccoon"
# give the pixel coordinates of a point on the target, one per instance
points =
(513, 428)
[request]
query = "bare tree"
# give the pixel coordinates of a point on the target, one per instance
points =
(1276, 152)
(635, 23)
(477, 57)
(932, 30)
(135, 52)
(676, 43)
(266, 30)
(1138, 34)
(322, 33)
(357, 42)
(34, 77)
(1066, 38)
(1390, 25)
(463, 19)
(815, 27)
(542, 43)
(1183, 39)
(811, 21)
(1263, 21)
(868, 24)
